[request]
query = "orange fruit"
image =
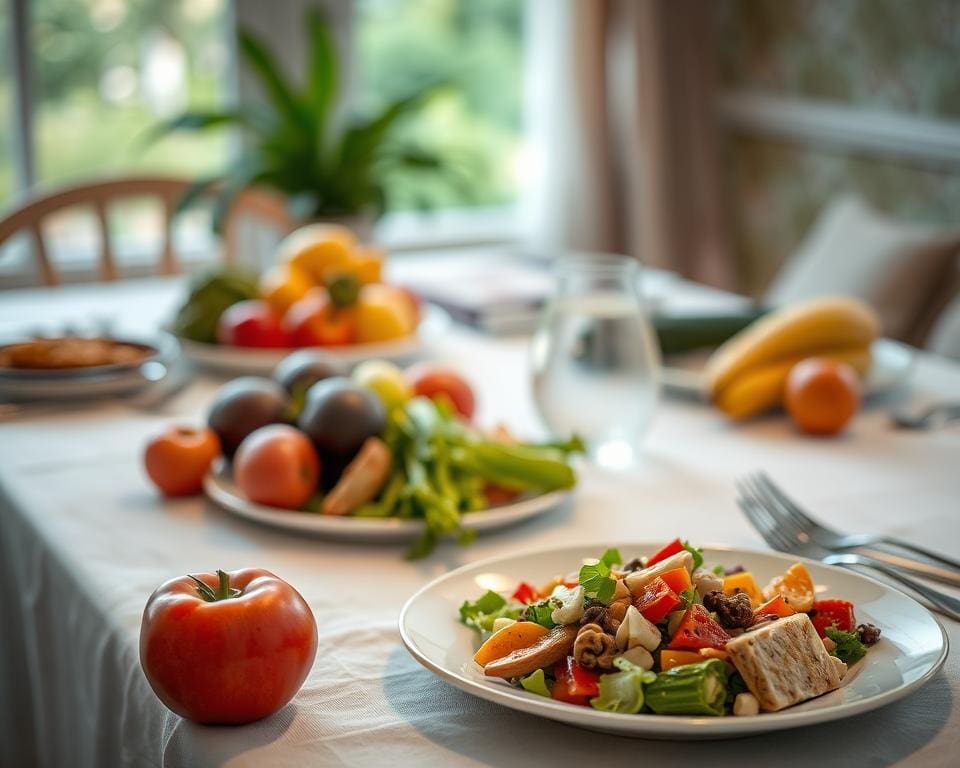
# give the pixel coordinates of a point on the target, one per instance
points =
(795, 585)
(316, 249)
(283, 285)
(822, 395)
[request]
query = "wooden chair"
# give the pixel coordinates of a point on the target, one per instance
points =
(100, 195)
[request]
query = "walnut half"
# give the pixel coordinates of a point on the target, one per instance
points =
(594, 648)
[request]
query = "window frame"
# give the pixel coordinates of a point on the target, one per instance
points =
(402, 230)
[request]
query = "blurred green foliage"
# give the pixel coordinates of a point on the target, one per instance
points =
(475, 44)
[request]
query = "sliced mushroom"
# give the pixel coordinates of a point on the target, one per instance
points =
(362, 480)
(706, 582)
(639, 579)
(555, 645)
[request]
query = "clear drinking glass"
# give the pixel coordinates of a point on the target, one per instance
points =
(596, 362)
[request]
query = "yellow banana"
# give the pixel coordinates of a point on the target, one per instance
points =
(800, 330)
(762, 388)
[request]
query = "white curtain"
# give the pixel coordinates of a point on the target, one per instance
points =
(623, 140)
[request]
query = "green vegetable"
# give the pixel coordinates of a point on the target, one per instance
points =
(691, 689)
(688, 596)
(542, 612)
(597, 582)
(441, 466)
(684, 333)
(849, 648)
(623, 691)
(735, 685)
(483, 612)
(536, 683)
(718, 570)
(697, 554)
(211, 294)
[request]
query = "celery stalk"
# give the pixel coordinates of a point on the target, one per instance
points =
(691, 689)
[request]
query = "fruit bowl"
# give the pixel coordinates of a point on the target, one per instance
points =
(233, 359)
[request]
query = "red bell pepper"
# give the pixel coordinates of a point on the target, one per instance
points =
(698, 630)
(832, 613)
(525, 593)
(664, 552)
(656, 601)
(575, 685)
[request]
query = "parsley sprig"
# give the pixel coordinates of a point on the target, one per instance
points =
(595, 578)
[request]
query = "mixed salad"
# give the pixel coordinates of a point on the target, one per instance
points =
(667, 635)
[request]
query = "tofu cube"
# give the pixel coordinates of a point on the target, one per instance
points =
(784, 662)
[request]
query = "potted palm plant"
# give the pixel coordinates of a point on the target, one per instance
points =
(327, 168)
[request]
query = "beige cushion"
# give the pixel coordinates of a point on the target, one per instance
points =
(897, 267)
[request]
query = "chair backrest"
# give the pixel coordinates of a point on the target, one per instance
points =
(99, 195)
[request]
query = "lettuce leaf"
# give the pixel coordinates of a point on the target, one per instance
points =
(623, 691)
(849, 648)
(481, 613)
(536, 683)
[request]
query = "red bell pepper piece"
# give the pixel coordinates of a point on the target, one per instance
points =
(525, 593)
(698, 630)
(656, 601)
(832, 613)
(664, 552)
(575, 685)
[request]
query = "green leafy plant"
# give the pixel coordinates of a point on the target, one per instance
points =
(298, 145)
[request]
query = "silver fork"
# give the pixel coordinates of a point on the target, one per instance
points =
(780, 534)
(832, 539)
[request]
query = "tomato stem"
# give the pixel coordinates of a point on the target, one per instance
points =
(223, 592)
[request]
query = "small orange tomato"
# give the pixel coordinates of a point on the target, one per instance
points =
(177, 460)
(278, 466)
(822, 395)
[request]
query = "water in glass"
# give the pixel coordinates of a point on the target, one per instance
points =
(596, 362)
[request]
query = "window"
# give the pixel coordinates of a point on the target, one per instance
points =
(475, 46)
(106, 70)
(7, 165)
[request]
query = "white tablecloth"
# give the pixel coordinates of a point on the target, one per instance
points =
(84, 540)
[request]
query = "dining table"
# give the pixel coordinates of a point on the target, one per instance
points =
(85, 539)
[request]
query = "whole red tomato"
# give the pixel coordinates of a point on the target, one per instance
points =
(277, 465)
(177, 460)
(227, 648)
(431, 381)
(252, 324)
(315, 321)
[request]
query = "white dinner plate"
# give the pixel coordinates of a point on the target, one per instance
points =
(912, 648)
(230, 359)
(892, 364)
(221, 489)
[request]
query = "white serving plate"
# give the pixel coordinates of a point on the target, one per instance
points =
(892, 365)
(221, 489)
(230, 359)
(913, 645)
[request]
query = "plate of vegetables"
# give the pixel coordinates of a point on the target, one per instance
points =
(384, 454)
(673, 642)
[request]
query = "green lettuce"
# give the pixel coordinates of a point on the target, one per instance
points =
(481, 613)
(623, 691)
(536, 683)
(849, 648)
